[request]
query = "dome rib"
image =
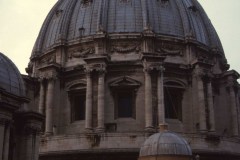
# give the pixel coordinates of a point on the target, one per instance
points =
(41, 36)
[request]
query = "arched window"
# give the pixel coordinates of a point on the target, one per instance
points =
(173, 95)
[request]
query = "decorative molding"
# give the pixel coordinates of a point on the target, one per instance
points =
(86, 3)
(77, 84)
(99, 67)
(125, 81)
(168, 49)
(126, 48)
(32, 129)
(125, 1)
(47, 60)
(58, 12)
(48, 75)
(81, 53)
(164, 51)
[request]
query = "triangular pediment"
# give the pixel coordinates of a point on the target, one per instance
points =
(125, 81)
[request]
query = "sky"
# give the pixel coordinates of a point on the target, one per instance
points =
(21, 20)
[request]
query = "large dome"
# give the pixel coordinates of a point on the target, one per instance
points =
(181, 20)
(10, 77)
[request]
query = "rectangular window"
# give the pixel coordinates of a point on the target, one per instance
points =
(173, 103)
(78, 107)
(124, 104)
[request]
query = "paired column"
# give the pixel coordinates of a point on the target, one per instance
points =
(234, 111)
(49, 107)
(148, 101)
(201, 104)
(101, 101)
(210, 107)
(88, 121)
(160, 93)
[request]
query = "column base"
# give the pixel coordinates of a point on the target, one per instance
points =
(150, 129)
(47, 134)
(100, 130)
(203, 131)
(88, 130)
(163, 127)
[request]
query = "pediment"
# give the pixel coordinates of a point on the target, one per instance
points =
(125, 82)
(76, 85)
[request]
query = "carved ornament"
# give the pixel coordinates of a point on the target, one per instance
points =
(81, 53)
(49, 75)
(124, 1)
(48, 59)
(99, 67)
(86, 3)
(166, 49)
(126, 48)
(32, 129)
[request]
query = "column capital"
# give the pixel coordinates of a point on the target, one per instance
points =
(48, 74)
(149, 67)
(4, 121)
(31, 129)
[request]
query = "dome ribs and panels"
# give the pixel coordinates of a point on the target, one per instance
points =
(10, 77)
(176, 19)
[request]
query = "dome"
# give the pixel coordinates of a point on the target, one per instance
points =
(10, 77)
(70, 20)
(165, 143)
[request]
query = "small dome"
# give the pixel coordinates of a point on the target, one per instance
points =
(10, 77)
(165, 143)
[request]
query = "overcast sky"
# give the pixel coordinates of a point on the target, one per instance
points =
(21, 20)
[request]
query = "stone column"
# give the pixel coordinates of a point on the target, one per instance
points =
(4, 138)
(101, 101)
(148, 102)
(210, 107)
(31, 145)
(160, 91)
(49, 107)
(41, 97)
(88, 121)
(2, 135)
(201, 104)
(233, 111)
(6, 141)
(238, 111)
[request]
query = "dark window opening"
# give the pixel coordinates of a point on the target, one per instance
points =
(78, 106)
(124, 104)
(173, 102)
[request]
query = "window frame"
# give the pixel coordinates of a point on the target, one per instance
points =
(172, 85)
(131, 92)
(124, 84)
